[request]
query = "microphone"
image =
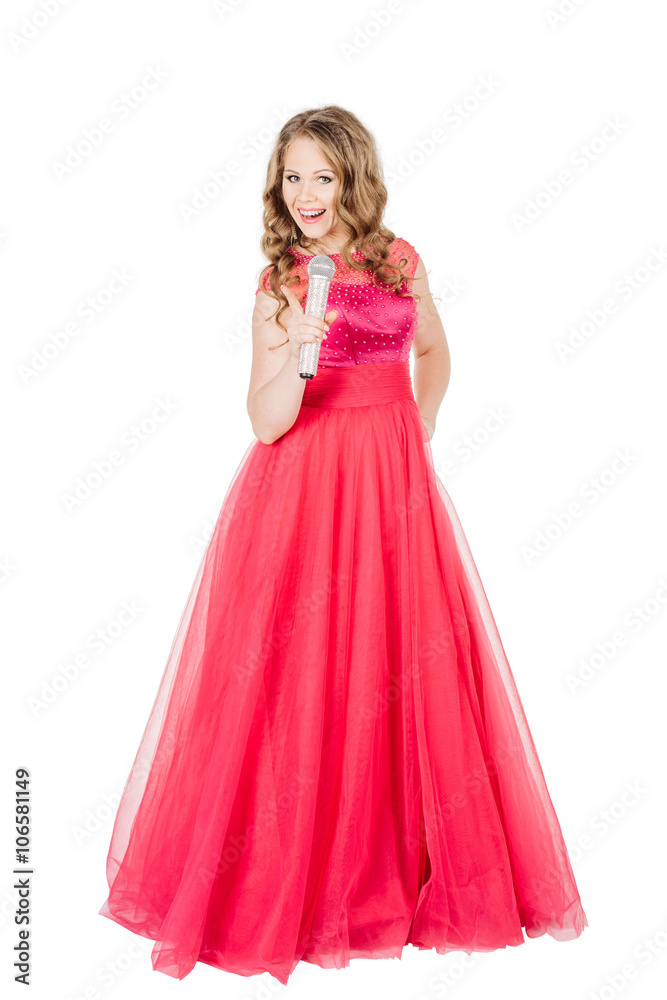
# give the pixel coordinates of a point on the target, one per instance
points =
(321, 270)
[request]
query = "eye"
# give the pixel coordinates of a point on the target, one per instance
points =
(322, 177)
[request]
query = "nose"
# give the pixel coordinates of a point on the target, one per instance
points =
(307, 192)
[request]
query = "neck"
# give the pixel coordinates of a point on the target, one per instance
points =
(324, 250)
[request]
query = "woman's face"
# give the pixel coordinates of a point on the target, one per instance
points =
(310, 185)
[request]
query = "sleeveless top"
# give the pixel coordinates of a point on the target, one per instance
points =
(373, 324)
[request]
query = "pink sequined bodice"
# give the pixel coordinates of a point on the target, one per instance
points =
(373, 324)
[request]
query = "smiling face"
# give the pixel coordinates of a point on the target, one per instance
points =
(309, 186)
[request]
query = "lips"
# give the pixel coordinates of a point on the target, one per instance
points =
(311, 218)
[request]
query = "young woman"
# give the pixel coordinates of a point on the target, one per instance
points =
(337, 762)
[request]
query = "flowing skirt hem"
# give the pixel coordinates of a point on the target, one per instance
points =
(341, 958)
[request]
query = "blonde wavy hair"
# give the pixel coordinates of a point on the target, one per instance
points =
(359, 204)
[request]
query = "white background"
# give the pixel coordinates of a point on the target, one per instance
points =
(513, 285)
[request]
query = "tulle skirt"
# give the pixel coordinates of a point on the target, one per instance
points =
(337, 762)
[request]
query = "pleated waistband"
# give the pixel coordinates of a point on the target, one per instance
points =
(359, 385)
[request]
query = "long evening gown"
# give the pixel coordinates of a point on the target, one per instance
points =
(337, 762)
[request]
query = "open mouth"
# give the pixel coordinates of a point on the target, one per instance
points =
(311, 215)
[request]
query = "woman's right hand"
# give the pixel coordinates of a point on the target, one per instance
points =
(302, 328)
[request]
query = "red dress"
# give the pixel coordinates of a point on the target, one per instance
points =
(337, 762)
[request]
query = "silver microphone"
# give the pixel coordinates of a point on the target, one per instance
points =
(321, 270)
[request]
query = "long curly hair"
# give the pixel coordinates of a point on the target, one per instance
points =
(359, 203)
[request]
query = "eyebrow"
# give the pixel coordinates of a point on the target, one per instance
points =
(322, 170)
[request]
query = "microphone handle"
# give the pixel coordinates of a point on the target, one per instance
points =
(316, 305)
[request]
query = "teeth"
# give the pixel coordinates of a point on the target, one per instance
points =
(309, 215)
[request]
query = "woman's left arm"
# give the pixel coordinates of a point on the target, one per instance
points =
(432, 360)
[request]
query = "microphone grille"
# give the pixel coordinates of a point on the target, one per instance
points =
(321, 266)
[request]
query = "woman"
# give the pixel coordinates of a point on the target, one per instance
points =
(337, 762)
